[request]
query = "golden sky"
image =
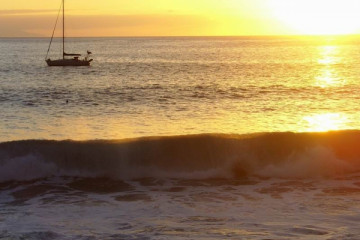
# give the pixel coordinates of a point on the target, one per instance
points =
(181, 17)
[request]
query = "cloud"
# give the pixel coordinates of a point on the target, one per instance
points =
(41, 25)
(26, 11)
(106, 25)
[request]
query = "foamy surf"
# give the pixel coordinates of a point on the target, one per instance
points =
(213, 186)
(254, 208)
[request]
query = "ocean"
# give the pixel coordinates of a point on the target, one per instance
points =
(181, 138)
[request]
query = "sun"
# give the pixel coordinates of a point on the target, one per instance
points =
(318, 17)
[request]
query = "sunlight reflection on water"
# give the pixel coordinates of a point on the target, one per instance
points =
(326, 122)
(329, 75)
(179, 86)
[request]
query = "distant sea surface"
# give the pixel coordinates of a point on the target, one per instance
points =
(181, 138)
(175, 86)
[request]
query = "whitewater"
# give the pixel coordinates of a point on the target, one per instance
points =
(181, 138)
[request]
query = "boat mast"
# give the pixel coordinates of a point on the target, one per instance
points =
(63, 29)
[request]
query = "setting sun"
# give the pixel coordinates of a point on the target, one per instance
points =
(320, 17)
(182, 18)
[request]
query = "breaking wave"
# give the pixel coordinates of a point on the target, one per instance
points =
(287, 155)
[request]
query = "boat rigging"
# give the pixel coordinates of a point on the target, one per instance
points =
(68, 59)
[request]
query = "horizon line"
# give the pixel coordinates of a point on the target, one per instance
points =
(198, 36)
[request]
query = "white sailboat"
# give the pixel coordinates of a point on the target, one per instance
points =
(68, 59)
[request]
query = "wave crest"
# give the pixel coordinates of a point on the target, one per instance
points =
(193, 156)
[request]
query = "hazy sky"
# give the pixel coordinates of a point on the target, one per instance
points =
(180, 17)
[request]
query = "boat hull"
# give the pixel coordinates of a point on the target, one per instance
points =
(67, 62)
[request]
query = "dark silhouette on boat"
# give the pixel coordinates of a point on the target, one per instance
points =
(68, 59)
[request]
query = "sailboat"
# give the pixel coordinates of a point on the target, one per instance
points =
(68, 59)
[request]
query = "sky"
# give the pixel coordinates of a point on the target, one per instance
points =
(36, 18)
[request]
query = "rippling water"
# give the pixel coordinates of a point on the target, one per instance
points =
(170, 86)
(201, 151)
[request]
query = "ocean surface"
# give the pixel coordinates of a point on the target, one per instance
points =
(181, 138)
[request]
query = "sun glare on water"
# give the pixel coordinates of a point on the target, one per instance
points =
(326, 122)
(318, 17)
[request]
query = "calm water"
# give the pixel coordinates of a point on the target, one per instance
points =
(195, 166)
(169, 86)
